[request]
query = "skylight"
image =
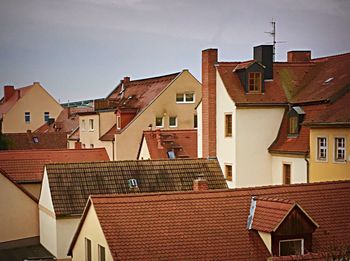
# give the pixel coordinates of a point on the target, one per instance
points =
(35, 139)
(328, 80)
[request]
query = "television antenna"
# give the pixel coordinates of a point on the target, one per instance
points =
(273, 34)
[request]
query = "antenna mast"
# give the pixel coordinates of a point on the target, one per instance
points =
(273, 34)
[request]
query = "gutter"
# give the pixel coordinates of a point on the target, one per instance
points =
(261, 104)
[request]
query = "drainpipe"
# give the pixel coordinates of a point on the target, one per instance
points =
(307, 169)
(113, 150)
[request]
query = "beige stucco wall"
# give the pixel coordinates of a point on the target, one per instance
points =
(128, 142)
(18, 213)
(266, 238)
(225, 146)
(329, 170)
(144, 152)
(103, 121)
(32, 188)
(36, 101)
(256, 129)
(199, 131)
(92, 230)
(298, 168)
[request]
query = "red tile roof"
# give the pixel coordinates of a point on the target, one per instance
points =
(212, 225)
(109, 135)
(295, 82)
(27, 165)
(182, 142)
(29, 141)
(299, 144)
(5, 106)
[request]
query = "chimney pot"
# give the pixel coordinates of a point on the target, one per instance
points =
(36, 83)
(126, 79)
(9, 90)
(200, 184)
(299, 56)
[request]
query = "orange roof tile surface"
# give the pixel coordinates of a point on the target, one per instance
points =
(5, 106)
(212, 225)
(24, 166)
(182, 142)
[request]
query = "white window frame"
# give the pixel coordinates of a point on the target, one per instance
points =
(86, 249)
(46, 113)
(91, 126)
(160, 126)
(83, 125)
(99, 247)
(336, 150)
(173, 126)
(225, 125)
(184, 100)
(289, 240)
(318, 149)
(228, 165)
(27, 114)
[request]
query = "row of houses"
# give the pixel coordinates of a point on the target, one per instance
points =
(99, 191)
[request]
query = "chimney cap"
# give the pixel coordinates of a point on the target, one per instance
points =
(36, 83)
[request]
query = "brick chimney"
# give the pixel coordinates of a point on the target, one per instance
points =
(9, 90)
(77, 145)
(209, 59)
(200, 184)
(126, 79)
(299, 56)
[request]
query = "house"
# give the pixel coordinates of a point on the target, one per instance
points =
(67, 186)
(163, 102)
(168, 144)
(26, 108)
(30, 140)
(25, 167)
(244, 116)
(284, 222)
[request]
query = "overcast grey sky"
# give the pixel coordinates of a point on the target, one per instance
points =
(80, 49)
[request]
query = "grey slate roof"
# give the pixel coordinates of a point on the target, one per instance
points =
(72, 183)
(34, 252)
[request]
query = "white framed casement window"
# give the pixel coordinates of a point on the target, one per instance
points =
(119, 122)
(187, 97)
(91, 124)
(46, 116)
(290, 247)
(172, 121)
(27, 117)
(339, 149)
(159, 122)
(88, 256)
(322, 148)
(101, 253)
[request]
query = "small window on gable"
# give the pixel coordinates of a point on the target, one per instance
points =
(83, 127)
(195, 121)
(91, 124)
(339, 145)
(171, 154)
(119, 124)
(159, 122)
(101, 253)
(187, 97)
(286, 173)
(295, 118)
(291, 247)
(228, 125)
(35, 139)
(322, 148)
(228, 172)
(132, 183)
(88, 250)
(46, 116)
(172, 121)
(27, 117)
(254, 82)
(293, 125)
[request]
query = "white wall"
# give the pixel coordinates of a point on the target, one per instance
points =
(256, 129)
(225, 146)
(66, 228)
(298, 169)
(199, 131)
(144, 152)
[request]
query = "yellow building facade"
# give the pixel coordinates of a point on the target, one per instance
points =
(329, 154)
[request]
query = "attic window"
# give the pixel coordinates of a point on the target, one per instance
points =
(328, 80)
(295, 118)
(171, 154)
(35, 139)
(132, 183)
(293, 125)
(254, 82)
(291, 247)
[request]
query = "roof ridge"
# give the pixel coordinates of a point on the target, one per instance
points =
(155, 77)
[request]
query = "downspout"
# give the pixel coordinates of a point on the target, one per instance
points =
(307, 169)
(113, 150)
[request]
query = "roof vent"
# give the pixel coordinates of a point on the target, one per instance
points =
(328, 80)
(132, 183)
(251, 213)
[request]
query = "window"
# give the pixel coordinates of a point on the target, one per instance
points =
(92, 146)
(91, 124)
(83, 127)
(291, 247)
(27, 117)
(228, 125)
(101, 253)
(228, 172)
(293, 125)
(159, 122)
(35, 139)
(87, 249)
(132, 183)
(254, 82)
(171, 154)
(339, 149)
(195, 121)
(187, 97)
(286, 173)
(172, 121)
(119, 124)
(46, 116)
(83, 146)
(322, 148)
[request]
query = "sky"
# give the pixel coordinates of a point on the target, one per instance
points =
(81, 49)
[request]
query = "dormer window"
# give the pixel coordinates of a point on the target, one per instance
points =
(254, 82)
(295, 118)
(291, 247)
